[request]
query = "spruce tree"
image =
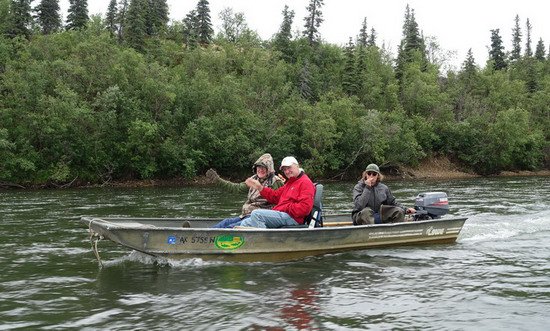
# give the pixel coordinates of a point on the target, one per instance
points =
(540, 51)
(361, 68)
(47, 16)
(284, 36)
(350, 74)
(400, 61)
(468, 78)
(528, 51)
(136, 29)
(77, 16)
(122, 15)
(204, 27)
(372, 38)
(413, 39)
(313, 21)
(496, 53)
(469, 65)
(190, 27)
(111, 17)
(515, 54)
(362, 40)
(157, 17)
(411, 43)
(20, 19)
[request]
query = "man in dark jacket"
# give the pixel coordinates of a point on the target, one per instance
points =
(373, 201)
(293, 201)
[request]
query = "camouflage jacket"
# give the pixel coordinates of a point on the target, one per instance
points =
(254, 200)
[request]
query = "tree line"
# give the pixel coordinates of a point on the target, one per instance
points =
(133, 95)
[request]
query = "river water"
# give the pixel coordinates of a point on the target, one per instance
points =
(496, 277)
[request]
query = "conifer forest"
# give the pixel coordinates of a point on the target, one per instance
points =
(133, 94)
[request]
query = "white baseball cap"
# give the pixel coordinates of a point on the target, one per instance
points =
(288, 161)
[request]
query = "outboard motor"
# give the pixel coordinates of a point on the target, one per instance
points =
(431, 205)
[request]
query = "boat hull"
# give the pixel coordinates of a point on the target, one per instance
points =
(166, 238)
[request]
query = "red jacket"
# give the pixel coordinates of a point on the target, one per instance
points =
(295, 197)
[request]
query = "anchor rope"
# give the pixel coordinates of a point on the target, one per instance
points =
(94, 239)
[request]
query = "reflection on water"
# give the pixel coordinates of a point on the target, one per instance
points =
(300, 306)
(495, 276)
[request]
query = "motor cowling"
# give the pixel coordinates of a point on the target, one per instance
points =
(431, 205)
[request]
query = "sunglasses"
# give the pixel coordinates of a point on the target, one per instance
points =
(371, 173)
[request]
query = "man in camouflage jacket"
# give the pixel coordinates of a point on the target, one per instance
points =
(264, 172)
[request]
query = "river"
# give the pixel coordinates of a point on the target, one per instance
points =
(496, 277)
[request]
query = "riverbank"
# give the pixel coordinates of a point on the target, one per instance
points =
(436, 168)
(443, 168)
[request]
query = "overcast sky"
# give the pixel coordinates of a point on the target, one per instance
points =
(458, 25)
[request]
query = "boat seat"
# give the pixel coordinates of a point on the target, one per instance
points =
(316, 214)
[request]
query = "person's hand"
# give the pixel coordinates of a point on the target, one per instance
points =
(371, 181)
(252, 183)
(281, 177)
(212, 175)
(411, 210)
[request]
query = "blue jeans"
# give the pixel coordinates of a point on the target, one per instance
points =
(265, 218)
(230, 222)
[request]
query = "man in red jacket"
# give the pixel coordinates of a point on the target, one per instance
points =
(293, 201)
